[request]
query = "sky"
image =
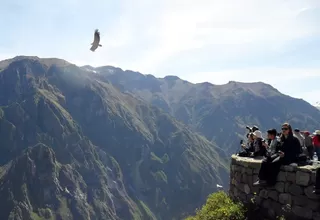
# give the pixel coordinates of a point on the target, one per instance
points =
(273, 41)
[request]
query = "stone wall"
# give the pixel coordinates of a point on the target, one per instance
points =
(291, 197)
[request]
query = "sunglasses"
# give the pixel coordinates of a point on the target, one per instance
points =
(284, 129)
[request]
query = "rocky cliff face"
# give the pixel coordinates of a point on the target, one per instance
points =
(72, 146)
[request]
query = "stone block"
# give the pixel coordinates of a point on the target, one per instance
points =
(314, 205)
(300, 200)
(279, 187)
(285, 198)
(276, 207)
(266, 203)
(302, 212)
(255, 178)
(244, 177)
(246, 170)
(235, 192)
(309, 192)
(313, 178)
(263, 194)
(246, 189)
(316, 215)
(233, 181)
(255, 190)
(281, 176)
(249, 171)
(242, 196)
(295, 190)
(289, 168)
(250, 181)
(237, 177)
(291, 177)
(256, 170)
(286, 187)
(302, 178)
(240, 187)
(274, 195)
(255, 164)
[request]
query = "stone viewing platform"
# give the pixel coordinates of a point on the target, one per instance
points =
(291, 197)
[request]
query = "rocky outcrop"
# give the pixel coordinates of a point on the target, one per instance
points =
(291, 197)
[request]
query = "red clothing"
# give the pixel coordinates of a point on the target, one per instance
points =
(315, 141)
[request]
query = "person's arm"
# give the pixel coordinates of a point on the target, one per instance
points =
(297, 147)
(262, 149)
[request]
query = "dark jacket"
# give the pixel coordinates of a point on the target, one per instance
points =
(250, 147)
(259, 149)
(291, 148)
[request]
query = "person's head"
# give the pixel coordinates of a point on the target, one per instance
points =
(306, 133)
(250, 137)
(317, 134)
(257, 135)
(272, 133)
(296, 130)
(286, 129)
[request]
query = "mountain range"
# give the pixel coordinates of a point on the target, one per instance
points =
(91, 143)
(218, 112)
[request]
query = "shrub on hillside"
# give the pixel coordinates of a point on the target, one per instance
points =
(219, 206)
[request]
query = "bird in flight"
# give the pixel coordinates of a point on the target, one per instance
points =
(96, 41)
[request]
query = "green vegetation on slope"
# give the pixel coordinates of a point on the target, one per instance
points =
(75, 146)
(220, 206)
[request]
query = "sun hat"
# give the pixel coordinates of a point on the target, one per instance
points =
(257, 133)
(316, 132)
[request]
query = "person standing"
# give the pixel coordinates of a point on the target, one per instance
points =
(308, 143)
(316, 142)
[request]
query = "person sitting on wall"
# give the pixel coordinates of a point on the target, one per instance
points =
(286, 152)
(273, 143)
(259, 149)
(248, 148)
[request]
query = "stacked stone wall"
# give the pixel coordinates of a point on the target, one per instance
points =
(291, 197)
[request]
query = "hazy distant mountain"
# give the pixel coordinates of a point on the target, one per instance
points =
(73, 146)
(219, 112)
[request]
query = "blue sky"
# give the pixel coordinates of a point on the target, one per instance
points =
(274, 41)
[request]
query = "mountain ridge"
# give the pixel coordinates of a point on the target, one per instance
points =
(197, 104)
(160, 169)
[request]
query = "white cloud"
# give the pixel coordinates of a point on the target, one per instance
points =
(248, 25)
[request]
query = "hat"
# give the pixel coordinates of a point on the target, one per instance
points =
(316, 132)
(297, 130)
(255, 128)
(257, 133)
(272, 131)
(306, 133)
